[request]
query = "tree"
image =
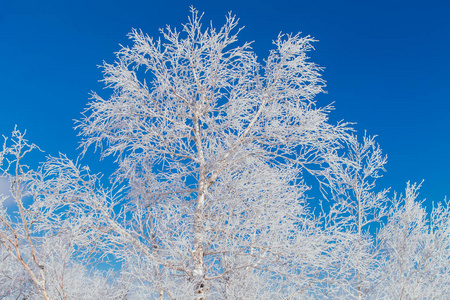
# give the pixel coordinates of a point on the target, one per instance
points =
(356, 211)
(41, 254)
(416, 263)
(212, 145)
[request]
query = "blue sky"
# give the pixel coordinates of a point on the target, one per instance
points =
(386, 63)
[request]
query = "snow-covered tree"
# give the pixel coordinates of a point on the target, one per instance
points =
(416, 260)
(41, 238)
(356, 211)
(212, 145)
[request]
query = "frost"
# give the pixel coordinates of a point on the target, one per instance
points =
(217, 154)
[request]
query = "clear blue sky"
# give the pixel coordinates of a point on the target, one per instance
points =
(387, 67)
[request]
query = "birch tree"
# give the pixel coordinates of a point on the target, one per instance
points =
(357, 210)
(41, 236)
(416, 260)
(212, 145)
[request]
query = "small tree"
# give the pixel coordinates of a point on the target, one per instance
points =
(41, 238)
(416, 260)
(356, 211)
